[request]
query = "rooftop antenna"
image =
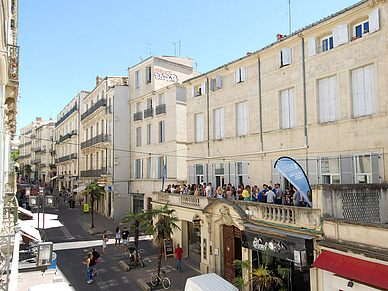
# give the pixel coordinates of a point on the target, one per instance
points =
(141, 59)
(179, 46)
(289, 14)
(150, 45)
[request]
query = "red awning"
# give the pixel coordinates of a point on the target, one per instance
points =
(368, 272)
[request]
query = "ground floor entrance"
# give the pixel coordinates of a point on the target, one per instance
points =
(232, 250)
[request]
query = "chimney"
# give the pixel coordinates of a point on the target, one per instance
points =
(279, 36)
(98, 80)
(38, 119)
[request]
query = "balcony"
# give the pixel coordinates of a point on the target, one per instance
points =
(138, 116)
(36, 161)
(94, 173)
(52, 166)
(35, 149)
(27, 143)
(161, 109)
(149, 112)
(21, 146)
(66, 158)
(281, 214)
(64, 117)
(98, 104)
(43, 151)
(13, 62)
(28, 132)
(42, 165)
(109, 109)
(95, 140)
(24, 157)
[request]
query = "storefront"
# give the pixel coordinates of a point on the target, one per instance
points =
(194, 241)
(288, 254)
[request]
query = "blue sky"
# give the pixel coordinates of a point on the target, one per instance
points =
(65, 44)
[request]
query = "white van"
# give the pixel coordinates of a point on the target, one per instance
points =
(208, 282)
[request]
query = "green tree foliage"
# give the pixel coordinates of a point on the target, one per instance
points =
(94, 193)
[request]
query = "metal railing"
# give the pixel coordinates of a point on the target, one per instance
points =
(28, 132)
(36, 161)
(52, 166)
(35, 149)
(27, 143)
(149, 112)
(138, 116)
(13, 62)
(95, 140)
(64, 117)
(43, 151)
(42, 165)
(94, 173)
(21, 145)
(66, 158)
(94, 107)
(160, 109)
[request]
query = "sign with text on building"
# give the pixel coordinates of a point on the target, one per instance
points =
(165, 75)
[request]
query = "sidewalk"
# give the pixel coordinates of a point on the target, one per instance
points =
(147, 251)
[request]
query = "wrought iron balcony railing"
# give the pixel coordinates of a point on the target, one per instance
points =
(52, 166)
(27, 143)
(66, 158)
(42, 165)
(22, 145)
(66, 136)
(24, 157)
(35, 149)
(94, 173)
(13, 62)
(160, 109)
(95, 140)
(138, 116)
(149, 112)
(63, 118)
(43, 151)
(28, 132)
(36, 161)
(98, 104)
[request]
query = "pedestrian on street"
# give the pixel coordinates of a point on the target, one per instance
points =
(125, 236)
(118, 237)
(90, 267)
(96, 255)
(178, 255)
(104, 240)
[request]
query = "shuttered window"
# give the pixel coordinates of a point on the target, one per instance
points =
(288, 108)
(242, 119)
(162, 129)
(218, 123)
(149, 133)
(138, 136)
(138, 169)
(285, 57)
(240, 75)
(137, 79)
(328, 108)
(363, 91)
(199, 129)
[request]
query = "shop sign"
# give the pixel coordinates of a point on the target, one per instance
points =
(197, 223)
(165, 76)
(272, 245)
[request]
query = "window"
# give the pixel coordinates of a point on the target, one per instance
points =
(138, 169)
(218, 123)
(149, 133)
(242, 119)
(138, 136)
(148, 74)
(161, 162)
(149, 103)
(340, 35)
(149, 168)
(219, 174)
(360, 28)
(327, 43)
(199, 173)
(328, 99)
(288, 108)
(199, 128)
(240, 75)
(284, 57)
(162, 99)
(363, 91)
(215, 84)
(137, 79)
(330, 170)
(198, 90)
(162, 131)
(363, 168)
(138, 107)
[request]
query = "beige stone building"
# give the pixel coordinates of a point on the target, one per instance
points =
(317, 96)
(157, 103)
(25, 151)
(104, 143)
(67, 144)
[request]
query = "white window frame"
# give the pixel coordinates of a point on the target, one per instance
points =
(219, 123)
(287, 103)
(328, 99)
(354, 28)
(331, 175)
(327, 38)
(138, 107)
(137, 79)
(162, 131)
(149, 133)
(367, 175)
(138, 136)
(285, 57)
(162, 99)
(199, 127)
(241, 75)
(138, 169)
(242, 118)
(363, 91)
(199, 176)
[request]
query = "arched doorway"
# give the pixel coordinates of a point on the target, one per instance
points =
(232, 250)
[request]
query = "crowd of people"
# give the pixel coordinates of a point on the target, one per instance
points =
(291, 196)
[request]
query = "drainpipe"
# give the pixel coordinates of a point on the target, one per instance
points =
(304, 96)
(208, 116)
(260, 107)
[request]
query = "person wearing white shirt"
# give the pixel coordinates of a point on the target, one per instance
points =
(270, 195)
(209, 190)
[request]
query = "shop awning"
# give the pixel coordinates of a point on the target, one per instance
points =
(279, 231)
(79, 189)
(27, 230)
(53, 178)
(353, 268)
(25, 211)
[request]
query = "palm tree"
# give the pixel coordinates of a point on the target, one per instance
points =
(138, 221)
(163, 228)
(95, 193)
(240, 267)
